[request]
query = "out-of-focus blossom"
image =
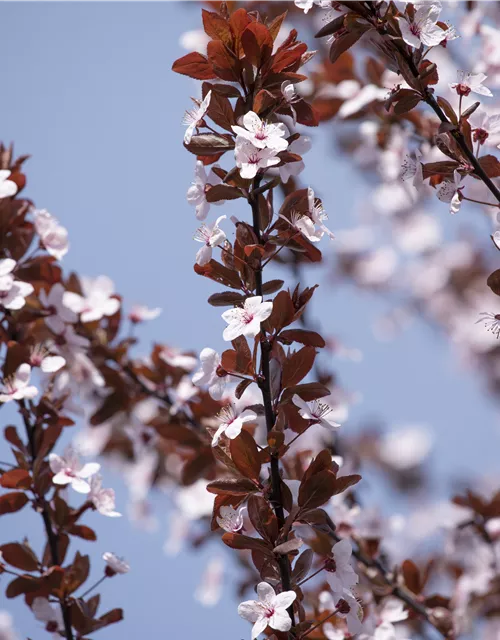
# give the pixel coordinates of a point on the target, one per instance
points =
(405, 448)
(197, 192)
(12, 292)
(246, 320)
(316, 411)
(300, 146)
(96, 300)
(209, 590)
(208, 374)
(470, 82)
(60, 314)
(114, 564)
(231, 423)
(53, 235)
(7, 631)
(17, 386)
(340, 573)
(193, 117)
(141, 313)
(269, 610)
(175, 358)
(68, 469)
(103, 499)
(50, 615)
(230, 519)
(210, 236)
(484, 125)
(184, 392)
(8, 187)
(41, 357)
(195, 40)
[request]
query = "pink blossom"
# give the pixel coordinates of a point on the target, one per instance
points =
(340, 573)
(193, 117)
(175, 358)
(230, 519)
(114, 564)
(423, 28)
(231, 423)
(211, 236)
(484, 125)
(103, 499)
(96, 300)
(53, 236)
(316, 411)
(41, 357)
(8, 187)
(261, 134)
(69, 470)
(60, 314)
(249, 159)
(17, 386)
(451, 191)
(470, 82)
(141, 313)
(208, 374)
(12, 292)
(246, 320)
(318, 214)
(197, 192)
(51, 615)
(269, 610)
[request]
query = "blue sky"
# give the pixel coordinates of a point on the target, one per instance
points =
(89, 93)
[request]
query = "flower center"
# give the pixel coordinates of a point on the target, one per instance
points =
(261, 134)
(247, 317)
(415, 29)
(269, 612)
(480, 135)
(463, 89)
(320, 410)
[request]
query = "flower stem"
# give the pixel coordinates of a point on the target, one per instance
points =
(311, 629)
(100, 581)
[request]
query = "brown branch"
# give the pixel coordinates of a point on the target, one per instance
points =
(265, 387)
(52, 536)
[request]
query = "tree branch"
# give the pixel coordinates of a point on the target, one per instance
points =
(265, 387)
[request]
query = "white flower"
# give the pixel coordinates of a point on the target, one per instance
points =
(412, 170)
(41, 357)
(211, 236)
(69, 470)
(193, 117)
(483, 125)
(12, 292)
(103, 499)
(232, 423)
(54, 236)
(291, 97)
(423, 28)
(491, 322)
(405, 448)
(175, 358)
(318, 214)
(207, 374)
(306, 5)
(451, 191)
(340, 574)
(230, 519)
(246, 320)
(195, 40)
(197, 192)
(261, 134)
(269, 610)
(392, 611)
(316, 411)
(114, 564)
(300, 146)
(60, 313)
(250, 159)
(350, 609)
(8, 188)
(51, 615)
(467, 82)
(17, 387)
(96, 300)
(304, 225)
(140, 313)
